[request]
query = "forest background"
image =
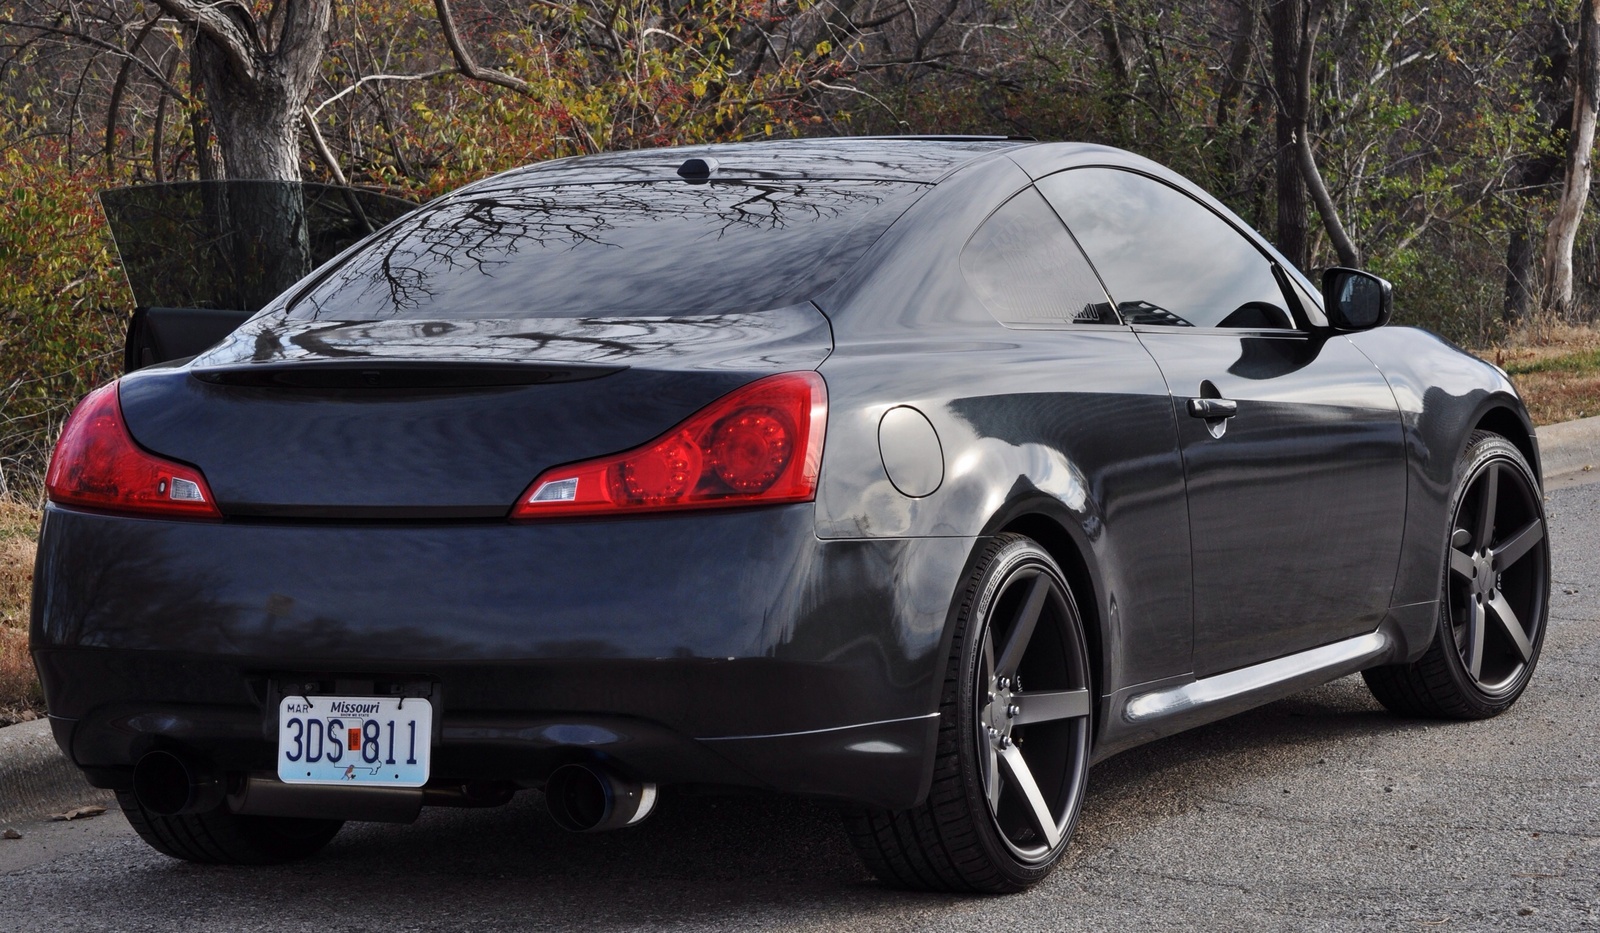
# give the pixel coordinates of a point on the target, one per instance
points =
(1427, 140)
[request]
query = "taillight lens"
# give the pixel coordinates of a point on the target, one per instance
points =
(759, 445)
(96, 464)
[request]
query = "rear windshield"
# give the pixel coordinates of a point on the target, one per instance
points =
(635, 248)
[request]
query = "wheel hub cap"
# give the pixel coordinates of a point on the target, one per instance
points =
(1483, 573)
(1000, 713)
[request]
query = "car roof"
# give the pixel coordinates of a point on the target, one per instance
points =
(916, 159)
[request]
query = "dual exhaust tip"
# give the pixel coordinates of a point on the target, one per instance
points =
(580, 798)
(585, 799)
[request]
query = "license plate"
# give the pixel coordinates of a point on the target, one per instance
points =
(354, 740)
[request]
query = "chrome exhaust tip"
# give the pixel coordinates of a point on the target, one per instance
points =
(585, 799)
(170, 785)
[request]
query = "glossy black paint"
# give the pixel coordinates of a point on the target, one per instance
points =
(1315, 425)
(364, 469)
(659, 624)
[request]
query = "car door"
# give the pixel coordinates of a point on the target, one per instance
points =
(1086, 390)
(1291, 438)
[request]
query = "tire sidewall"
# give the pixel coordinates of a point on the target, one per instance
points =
(1483, 449)
(1014, 556)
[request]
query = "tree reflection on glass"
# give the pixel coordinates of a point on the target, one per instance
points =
(234, 244)
(658, 248)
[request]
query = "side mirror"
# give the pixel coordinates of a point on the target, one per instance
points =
(1356, 300)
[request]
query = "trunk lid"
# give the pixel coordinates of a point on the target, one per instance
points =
(436, 419)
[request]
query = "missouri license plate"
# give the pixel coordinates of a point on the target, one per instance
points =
(348, 741)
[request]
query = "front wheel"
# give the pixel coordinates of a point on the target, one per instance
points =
(1494, 594)
(1014, 730)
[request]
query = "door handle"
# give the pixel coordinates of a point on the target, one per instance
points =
(1213, 408)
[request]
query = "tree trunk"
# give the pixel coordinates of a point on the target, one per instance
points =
(1111, 37)
(1348, 254)
(1239, 56)
(1535, 173)
(1563, 231)
(1236, 139)
(254, 93)
(1286, 19)
(257, 127)
(1519, 277)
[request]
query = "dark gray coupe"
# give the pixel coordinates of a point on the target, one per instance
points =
(912, 474)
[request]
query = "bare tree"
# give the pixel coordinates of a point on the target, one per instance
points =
(1306, 159)
(256, 72)
(1286, 20)
(1563, 230)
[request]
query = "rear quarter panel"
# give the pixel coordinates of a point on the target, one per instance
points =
(1072, 423)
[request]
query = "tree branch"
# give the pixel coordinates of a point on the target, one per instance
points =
(382, 77)
(303, 41)
(219, 22)
(114, 108)
(1348, 254)
(97, 43)
(465, 63)
(321, 145)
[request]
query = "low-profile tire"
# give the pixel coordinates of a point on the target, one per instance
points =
(219, 837)
(1012, 759)
(1494, 597)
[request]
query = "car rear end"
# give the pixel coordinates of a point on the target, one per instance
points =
(524, 482)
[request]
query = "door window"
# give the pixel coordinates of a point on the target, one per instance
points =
(1026, 269)
(1166, 258)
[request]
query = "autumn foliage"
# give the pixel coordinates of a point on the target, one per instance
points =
(1438, 126)
(64, 301)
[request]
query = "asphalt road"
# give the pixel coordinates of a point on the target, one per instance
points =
(1320, 812)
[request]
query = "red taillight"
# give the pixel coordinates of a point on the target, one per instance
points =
(759, 445)
(97, 465)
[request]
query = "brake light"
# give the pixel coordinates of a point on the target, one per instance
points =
(758, 445)
(97, 464)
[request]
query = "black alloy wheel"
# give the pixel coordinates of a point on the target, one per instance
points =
(1494, 598)
(1013, 755)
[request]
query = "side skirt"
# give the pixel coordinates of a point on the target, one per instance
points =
(1145, 712)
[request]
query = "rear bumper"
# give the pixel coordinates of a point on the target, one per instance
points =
(721, 648)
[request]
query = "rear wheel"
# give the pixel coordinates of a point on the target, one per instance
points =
(1013, 754)
(1494, 594)
(219, 837)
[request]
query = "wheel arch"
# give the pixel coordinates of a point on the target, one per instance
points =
(1511, 423)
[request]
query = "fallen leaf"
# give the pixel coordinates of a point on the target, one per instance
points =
(78, 813)
(11, 834)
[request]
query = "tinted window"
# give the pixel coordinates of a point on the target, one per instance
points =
(199, 244)
(1166, 258)
(635, 248)
(1027, 270)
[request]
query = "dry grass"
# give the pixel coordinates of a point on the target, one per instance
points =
(1557, 369)
(20, 698)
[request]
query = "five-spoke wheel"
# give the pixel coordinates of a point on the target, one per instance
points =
(1014, 737)
(1494, 595)
(1030, 741)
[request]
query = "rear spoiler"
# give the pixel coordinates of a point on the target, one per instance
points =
(160, 335)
